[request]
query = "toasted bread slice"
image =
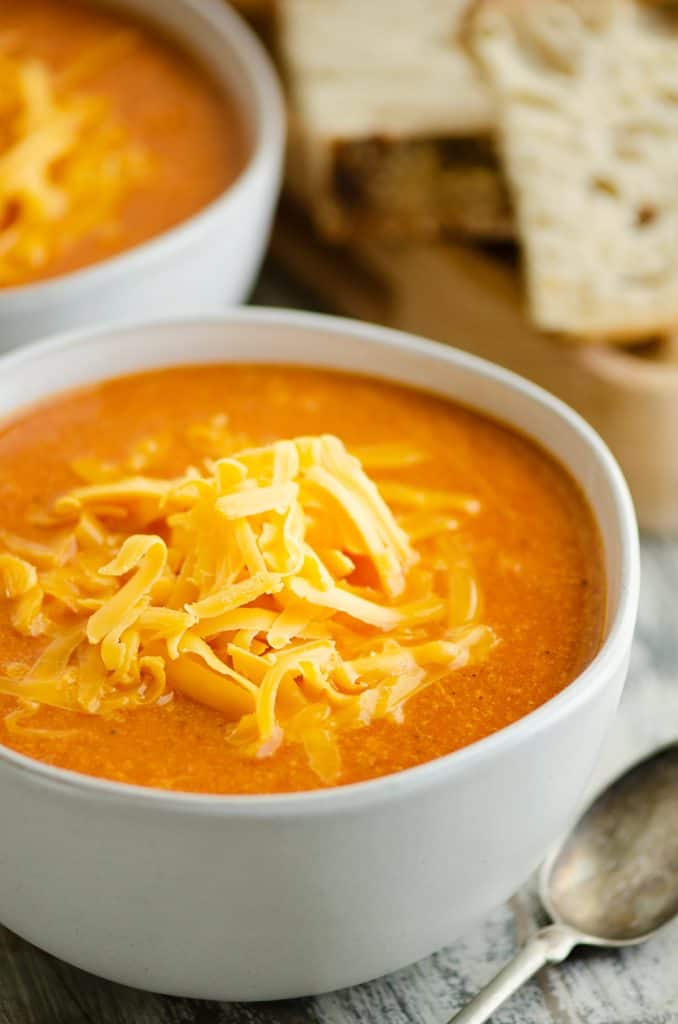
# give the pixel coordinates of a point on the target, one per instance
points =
(390, 120)
(586, 94)
(399, 189)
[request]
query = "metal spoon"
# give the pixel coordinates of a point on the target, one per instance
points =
(613, 881)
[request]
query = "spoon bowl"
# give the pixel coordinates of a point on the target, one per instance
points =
(612, 882)
(615, 878)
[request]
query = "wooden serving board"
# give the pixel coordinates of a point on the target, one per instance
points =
(472, 299)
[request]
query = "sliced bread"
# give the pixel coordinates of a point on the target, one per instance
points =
(390, 120)
(586, 93)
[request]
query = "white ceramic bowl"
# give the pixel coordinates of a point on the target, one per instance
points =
(209, 261)
(265, 897)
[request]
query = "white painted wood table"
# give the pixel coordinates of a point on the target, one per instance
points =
(636, 986)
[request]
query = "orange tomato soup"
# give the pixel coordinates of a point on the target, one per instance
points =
(109, 135)
(526, 530)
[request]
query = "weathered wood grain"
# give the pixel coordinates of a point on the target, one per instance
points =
(38, 989)
(636, 986)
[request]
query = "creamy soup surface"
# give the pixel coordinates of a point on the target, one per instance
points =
(526, 531)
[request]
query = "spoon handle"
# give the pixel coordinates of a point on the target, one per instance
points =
(550, 945)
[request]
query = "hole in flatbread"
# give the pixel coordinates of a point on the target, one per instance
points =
(605, 186)
(646, 215)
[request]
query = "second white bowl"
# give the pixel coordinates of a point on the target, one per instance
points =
(208, 262)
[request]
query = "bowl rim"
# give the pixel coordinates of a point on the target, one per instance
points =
(398, 785)
(267, 116)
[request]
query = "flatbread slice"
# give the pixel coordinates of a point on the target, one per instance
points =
(586, 93)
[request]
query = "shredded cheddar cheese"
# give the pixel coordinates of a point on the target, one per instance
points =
(275, 585)
(66, 162)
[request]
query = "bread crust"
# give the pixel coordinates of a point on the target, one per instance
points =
(397, 190)
(378, 149)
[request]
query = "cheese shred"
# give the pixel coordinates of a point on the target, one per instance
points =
(275, 585)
